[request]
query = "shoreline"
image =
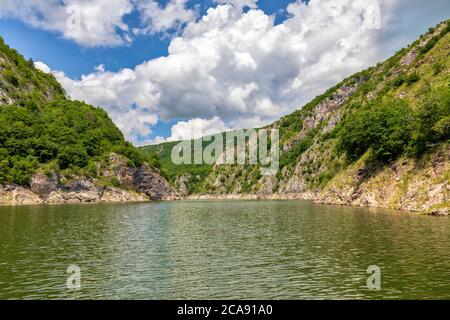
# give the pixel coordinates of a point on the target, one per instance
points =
(140, 198)
(294, 197)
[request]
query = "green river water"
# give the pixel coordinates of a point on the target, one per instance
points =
(221, 250)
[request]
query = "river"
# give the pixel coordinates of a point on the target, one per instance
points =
(221, 250)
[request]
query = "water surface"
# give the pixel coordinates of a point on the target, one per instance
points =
(221, 250)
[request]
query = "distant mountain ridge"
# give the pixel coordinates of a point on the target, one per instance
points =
(380, 138)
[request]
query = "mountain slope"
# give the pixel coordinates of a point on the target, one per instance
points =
(379, 138)
(49, 143)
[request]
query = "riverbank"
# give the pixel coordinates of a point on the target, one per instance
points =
(13, 195)
(19, 195)
(315, 198)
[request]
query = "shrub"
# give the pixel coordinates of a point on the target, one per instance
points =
(437, 68)
(412, 78)
(11, 78)
(392, 127)
(22, 170)
(385, 128)
(442, 128)
(115, 182)
(74, 155)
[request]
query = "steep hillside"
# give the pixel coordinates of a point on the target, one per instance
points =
(379, 138)
(49, 143)
(187, 178)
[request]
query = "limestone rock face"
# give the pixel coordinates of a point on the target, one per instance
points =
(325, 109)
(153, 185)
(43, 185)
(118, 168)
(136, 184)
(406, 185)
(11, 194)
(267, 186)
(412, 54)
(294, 185)
(182, 183)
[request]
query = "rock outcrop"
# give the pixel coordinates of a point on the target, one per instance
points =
(12, 194)
(181, 183)
(134, 185)
(413, 185)
(153, 185)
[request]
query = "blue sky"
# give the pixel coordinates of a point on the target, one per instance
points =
(75, 60)
(264, 61)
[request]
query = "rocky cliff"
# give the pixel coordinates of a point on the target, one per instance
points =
(386, 162)
(421, 186)
(116, 182)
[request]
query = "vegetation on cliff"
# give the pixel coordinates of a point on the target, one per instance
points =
(41, 129)
(396, 110)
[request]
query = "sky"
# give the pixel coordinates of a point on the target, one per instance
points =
(160, 68)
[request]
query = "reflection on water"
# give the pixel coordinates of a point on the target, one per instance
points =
(221, 250)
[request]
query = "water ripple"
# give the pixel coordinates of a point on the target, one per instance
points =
(221, 250)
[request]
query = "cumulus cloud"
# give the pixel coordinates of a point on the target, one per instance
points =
(240, 67)
(156, 18)
(196, 128)
(240, 3)
(42, 66)
(113, 92)
(93, 23)
(89, 23)
(240, 70)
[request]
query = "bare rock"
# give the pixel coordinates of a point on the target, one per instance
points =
(136, 184)
(120, 195)
(43, 185)
(295, 185)
(118, 167)
(182, 183)
(326, 110)
(267, 187)
(11, 194)
(153, 185)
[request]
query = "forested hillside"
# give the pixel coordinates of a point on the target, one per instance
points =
(378, 138)
(40, 128)
(50, 142)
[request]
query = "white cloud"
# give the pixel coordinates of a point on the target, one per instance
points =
(87, 22)
(174, 15)
(135, 124)
(196, 128)
(240, 3)
(113, 92)
(156, 140)
(238, 69)
(192, 129)
(239, 66)
(42, 66)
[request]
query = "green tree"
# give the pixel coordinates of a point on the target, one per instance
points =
(74, 155)
(384, 127)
